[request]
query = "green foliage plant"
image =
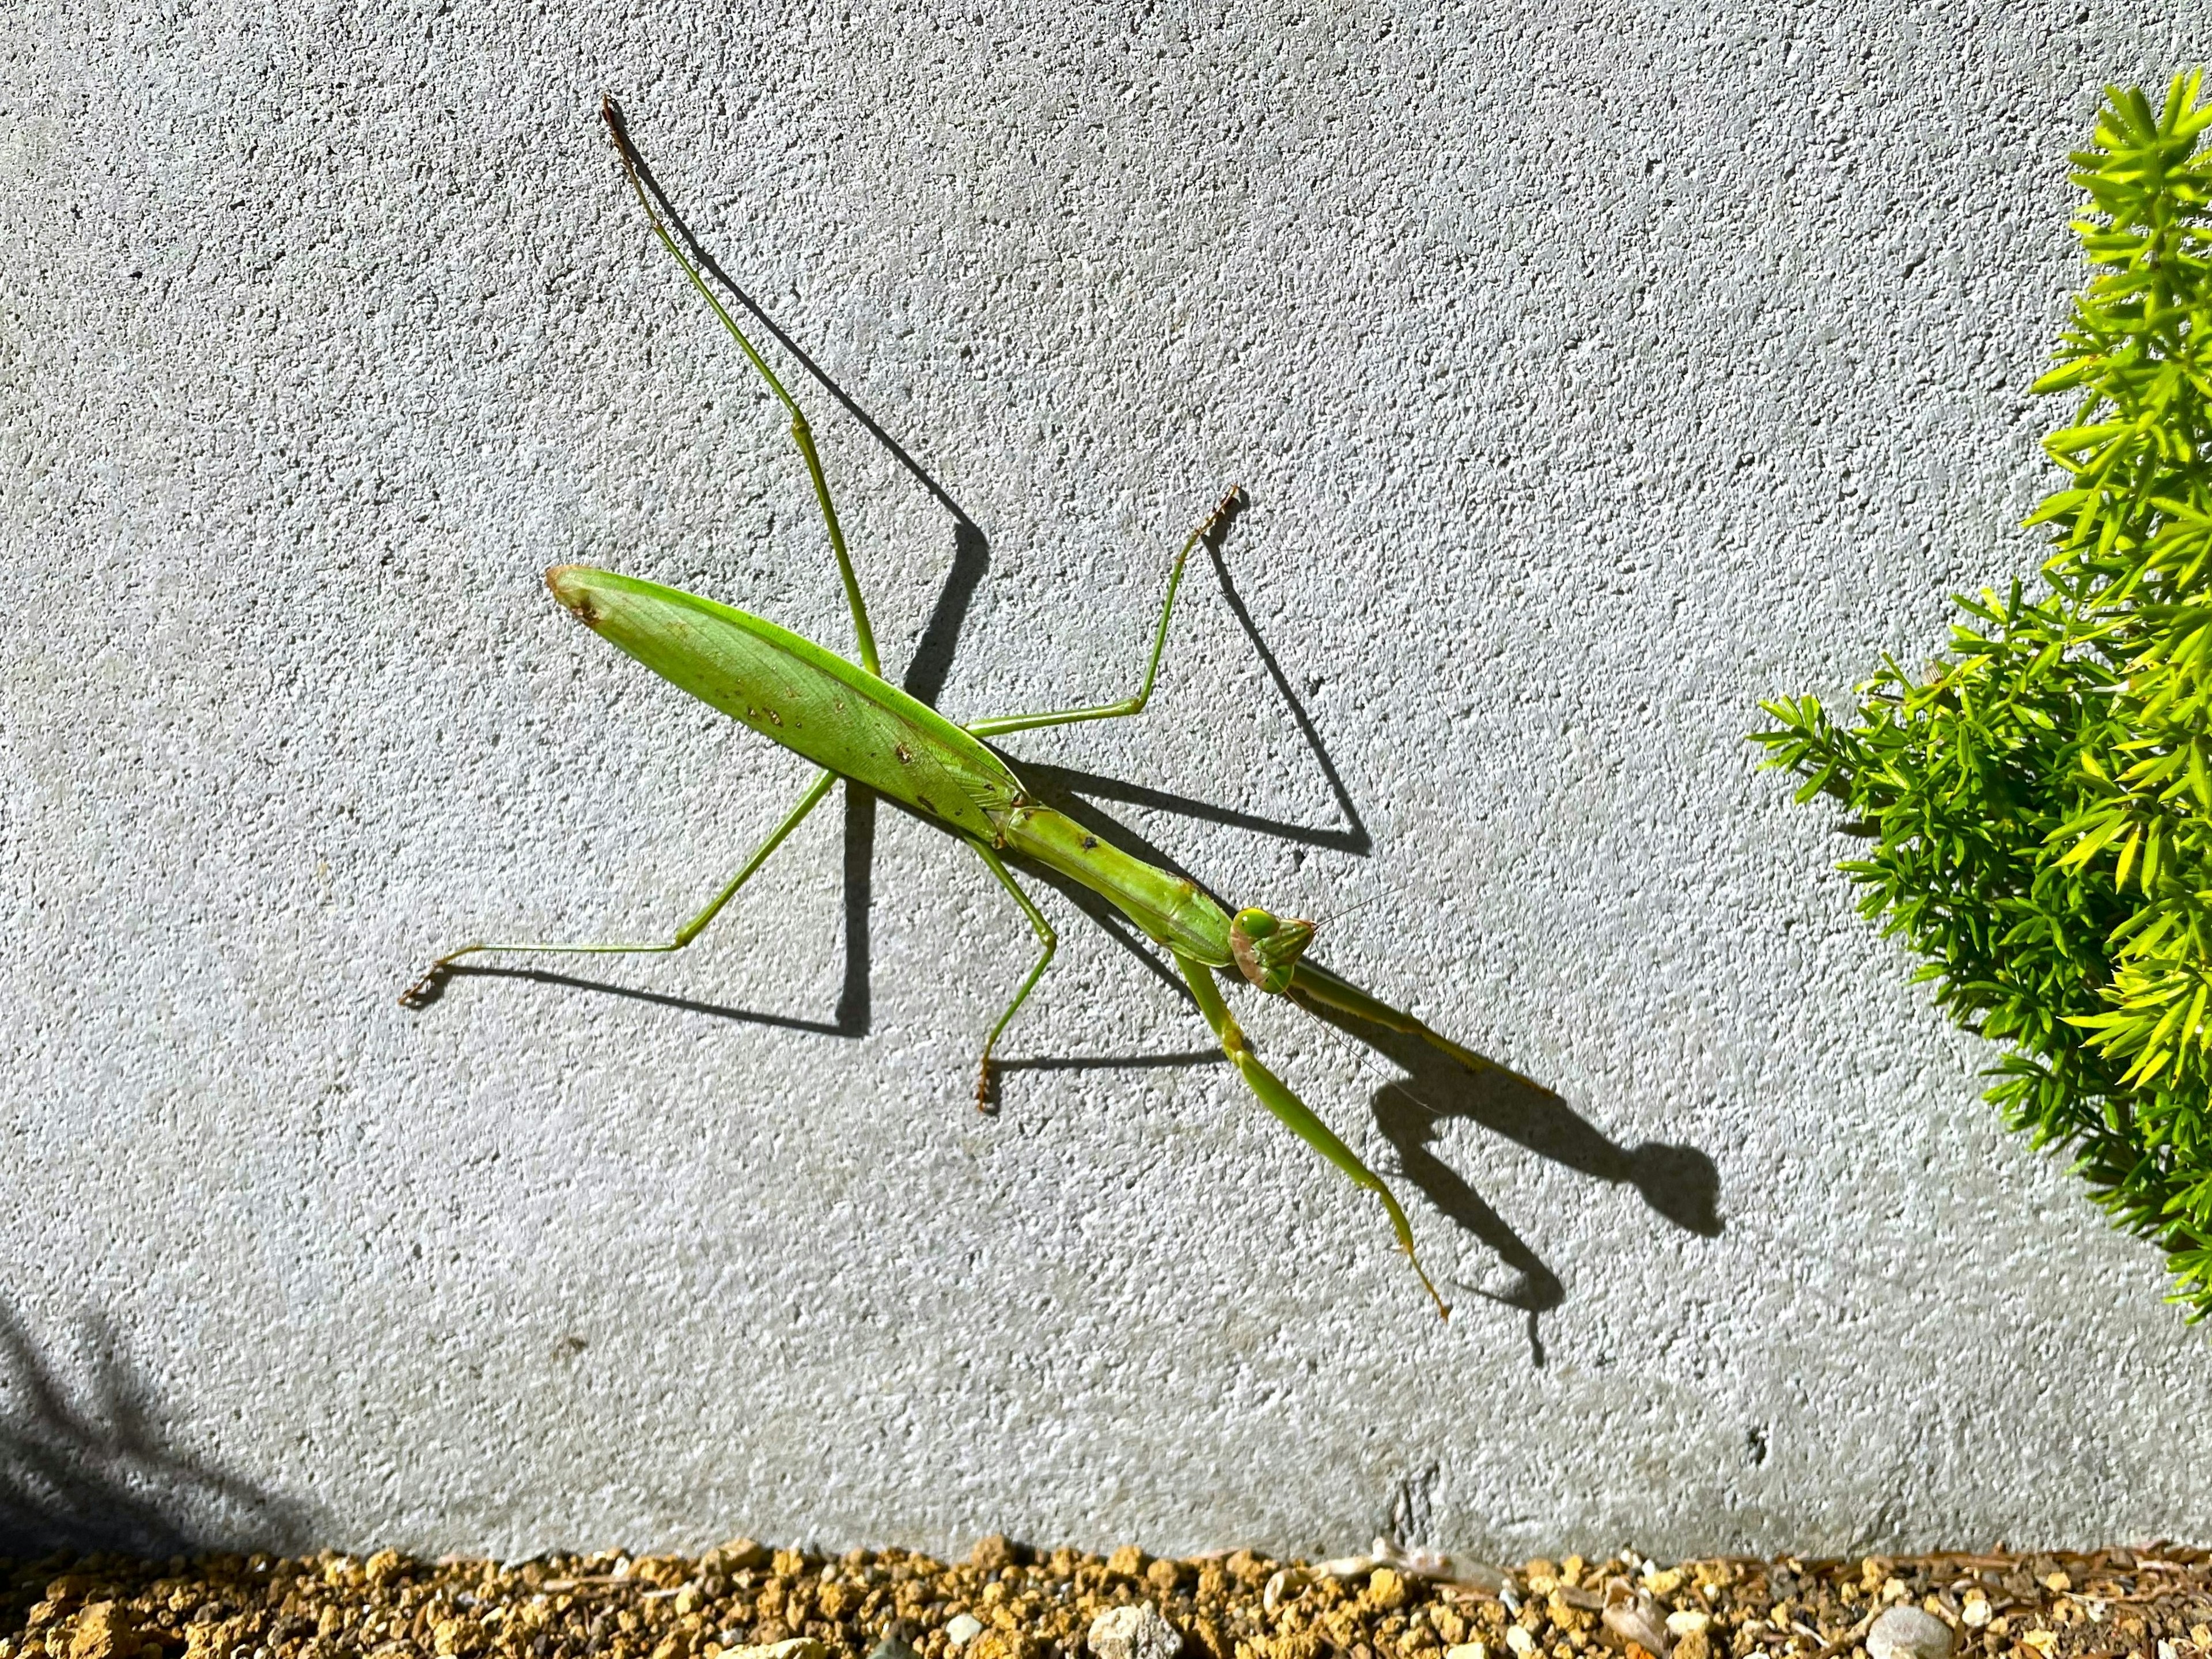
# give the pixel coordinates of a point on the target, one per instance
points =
(2038, 805)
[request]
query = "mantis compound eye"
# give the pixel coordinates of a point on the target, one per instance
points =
(1267, 947)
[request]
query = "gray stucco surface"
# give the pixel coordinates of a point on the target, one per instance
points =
(1594, 371)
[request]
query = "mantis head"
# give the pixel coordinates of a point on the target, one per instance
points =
(1267, 947)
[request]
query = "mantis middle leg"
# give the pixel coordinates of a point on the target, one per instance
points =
(424, 990)
(802, 433)
(1277, 1096)
(1000, 725)
(1046, 936)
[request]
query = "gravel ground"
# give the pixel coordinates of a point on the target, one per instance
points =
(1006, 1602)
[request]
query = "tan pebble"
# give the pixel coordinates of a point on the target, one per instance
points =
(738, 1555)
(1387, 1589)
(1285, 1583)
(2058, 1581)
(1694, 1644)
(1689, 1619)
(992, 1552)
(796, 1647)
(1633, 1615)
(1468, 1651)
(103, 1630)
(1127, 1562)
(1136, 1631)
(1163, 1575)
(1974, 1613)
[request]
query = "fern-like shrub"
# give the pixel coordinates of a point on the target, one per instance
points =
(2038, 805)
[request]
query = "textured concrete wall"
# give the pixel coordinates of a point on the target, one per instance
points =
(1595, 370)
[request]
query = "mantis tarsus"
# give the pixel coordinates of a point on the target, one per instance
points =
(851, 722)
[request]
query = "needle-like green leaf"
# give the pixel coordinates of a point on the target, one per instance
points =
(2041, 803)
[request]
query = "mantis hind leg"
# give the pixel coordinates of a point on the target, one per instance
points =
(1276, 1096)
(802, 433)
(425, 990)
(1229, 506)
(1046, 936)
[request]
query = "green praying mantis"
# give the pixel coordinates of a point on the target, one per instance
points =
(851, 722)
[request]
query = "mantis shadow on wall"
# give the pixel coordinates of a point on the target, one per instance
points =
(89, 1468)
(1680, 1182)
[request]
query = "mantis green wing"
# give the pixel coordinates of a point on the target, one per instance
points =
(791, 690)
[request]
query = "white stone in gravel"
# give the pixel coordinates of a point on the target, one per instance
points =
(799, 1647)
(1468, 1651)
(961, 1628)
(1136, 1631)
(1909, 1633)
(1633, 1615)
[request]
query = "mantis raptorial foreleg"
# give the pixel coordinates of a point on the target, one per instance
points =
(1325, 994)
(1276, 1096)
(426, 988)
(1000, 725)
(802, 433)
(1046, 936)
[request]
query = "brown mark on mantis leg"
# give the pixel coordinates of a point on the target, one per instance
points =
(427, 989)
(1225, 513)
